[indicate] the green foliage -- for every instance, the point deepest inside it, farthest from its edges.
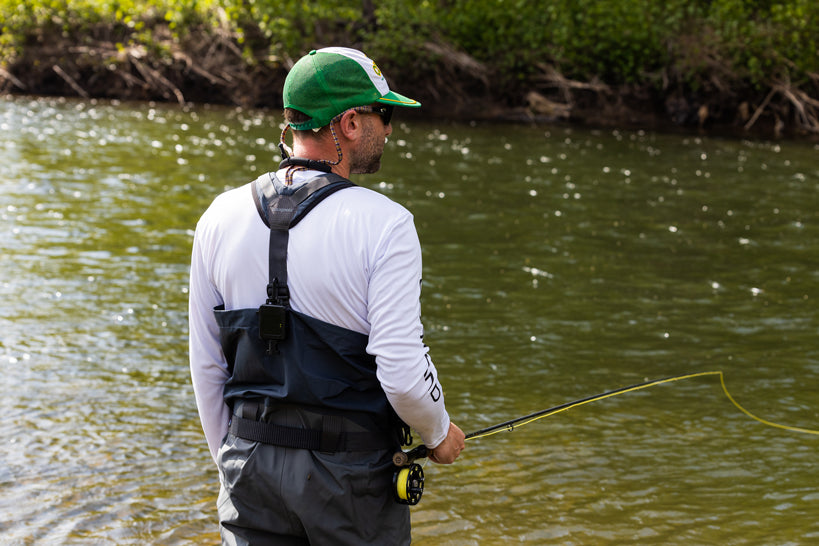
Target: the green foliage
(796, 36)
(26, 20)
(764, 41)
(754, 42)
(290, 28)
(515, 34)
(617, 40)
(397, 35)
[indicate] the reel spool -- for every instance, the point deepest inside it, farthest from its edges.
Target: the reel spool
(408, 484)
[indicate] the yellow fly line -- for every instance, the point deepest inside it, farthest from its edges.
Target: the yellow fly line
(515, 423)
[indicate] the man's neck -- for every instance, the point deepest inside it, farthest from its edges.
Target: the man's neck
(324, 156)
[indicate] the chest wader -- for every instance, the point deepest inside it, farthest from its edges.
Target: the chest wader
(278, 357)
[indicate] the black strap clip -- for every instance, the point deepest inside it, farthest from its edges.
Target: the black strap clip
(273, 316)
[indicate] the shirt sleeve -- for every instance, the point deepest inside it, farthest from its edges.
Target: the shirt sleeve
(207, 361)
(404, 368)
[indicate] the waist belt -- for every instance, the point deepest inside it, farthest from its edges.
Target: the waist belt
(331, 438)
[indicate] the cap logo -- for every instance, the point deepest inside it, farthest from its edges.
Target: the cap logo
(376, 70)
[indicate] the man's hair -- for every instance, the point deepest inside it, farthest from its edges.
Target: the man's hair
(291, 115)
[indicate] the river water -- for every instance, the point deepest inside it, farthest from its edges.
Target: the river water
(559, 263)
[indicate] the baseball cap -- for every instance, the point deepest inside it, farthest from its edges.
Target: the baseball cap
(328, 81)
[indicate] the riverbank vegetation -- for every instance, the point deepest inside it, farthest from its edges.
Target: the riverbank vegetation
(729, 63)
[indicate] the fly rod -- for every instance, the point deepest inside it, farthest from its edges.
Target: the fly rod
(403, 458)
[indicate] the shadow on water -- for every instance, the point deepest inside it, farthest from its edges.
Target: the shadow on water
(559, 263)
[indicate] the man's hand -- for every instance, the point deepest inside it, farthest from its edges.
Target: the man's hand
(448, 450)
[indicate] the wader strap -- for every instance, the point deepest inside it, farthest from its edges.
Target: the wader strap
(267, 188)
(281, 207)
(330, 439)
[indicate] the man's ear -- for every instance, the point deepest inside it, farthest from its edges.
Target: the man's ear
(351, 125)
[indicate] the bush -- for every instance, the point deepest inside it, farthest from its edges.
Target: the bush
(497, 47)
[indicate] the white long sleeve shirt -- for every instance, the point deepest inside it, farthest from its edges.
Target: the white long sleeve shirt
(353, 261)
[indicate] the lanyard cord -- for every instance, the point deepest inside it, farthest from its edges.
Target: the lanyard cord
(285, 151)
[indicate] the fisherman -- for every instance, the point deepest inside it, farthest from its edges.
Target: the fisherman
(306, 344)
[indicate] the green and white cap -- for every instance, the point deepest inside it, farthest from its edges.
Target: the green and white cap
(326, 82)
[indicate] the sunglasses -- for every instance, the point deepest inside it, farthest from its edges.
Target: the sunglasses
(383, 111)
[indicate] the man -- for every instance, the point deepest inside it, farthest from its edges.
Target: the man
(306, 345)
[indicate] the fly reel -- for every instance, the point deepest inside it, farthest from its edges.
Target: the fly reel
(408, 484)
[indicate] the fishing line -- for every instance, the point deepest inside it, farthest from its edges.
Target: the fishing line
(421, 451)
(408, 481)
(526, 419)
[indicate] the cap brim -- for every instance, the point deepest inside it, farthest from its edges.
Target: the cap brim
(397, 99)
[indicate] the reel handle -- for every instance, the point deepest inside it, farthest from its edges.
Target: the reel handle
(403, 458)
